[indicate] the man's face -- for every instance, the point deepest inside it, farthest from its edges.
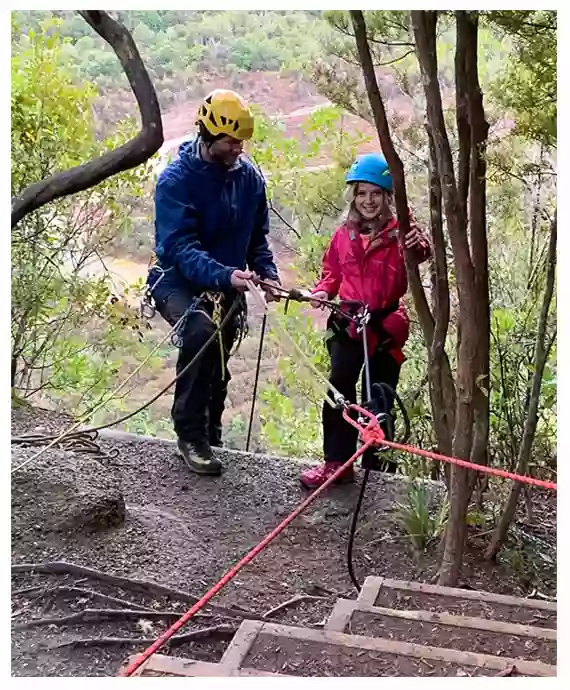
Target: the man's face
(226, 150)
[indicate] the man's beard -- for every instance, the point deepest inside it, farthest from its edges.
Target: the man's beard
(224, 161)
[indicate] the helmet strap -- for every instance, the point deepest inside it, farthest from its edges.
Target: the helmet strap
(207, 137)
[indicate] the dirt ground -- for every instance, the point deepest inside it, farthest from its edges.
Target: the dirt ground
(184, 532)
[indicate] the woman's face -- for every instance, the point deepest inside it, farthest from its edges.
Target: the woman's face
(369, 200)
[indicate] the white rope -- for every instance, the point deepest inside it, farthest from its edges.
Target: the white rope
(258, 296)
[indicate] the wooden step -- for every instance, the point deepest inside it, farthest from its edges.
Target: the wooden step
(394, 628)
(308, 652)
(401, 594)
(462, 633)
(173, 666)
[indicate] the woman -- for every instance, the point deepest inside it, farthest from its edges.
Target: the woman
(364, 261)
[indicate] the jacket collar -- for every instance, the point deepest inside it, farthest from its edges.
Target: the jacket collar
(387, 235)
(191, 155)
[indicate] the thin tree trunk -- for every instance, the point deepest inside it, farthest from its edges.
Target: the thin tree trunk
(478, 127)
(442, 387)
(541, 355)
(424, 26)
(463, 127)
(534, 219)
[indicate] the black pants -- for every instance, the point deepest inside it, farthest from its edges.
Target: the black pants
(200, 394)
(347, 361)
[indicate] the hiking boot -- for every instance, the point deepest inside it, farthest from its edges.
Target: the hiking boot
(317, 476)
(199, 457)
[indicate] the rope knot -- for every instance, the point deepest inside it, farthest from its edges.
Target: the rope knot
(372, 433)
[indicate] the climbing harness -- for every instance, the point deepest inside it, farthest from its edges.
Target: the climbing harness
(215, 299)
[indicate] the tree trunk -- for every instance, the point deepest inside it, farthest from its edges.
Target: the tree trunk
(442, 387)
(470, 321)
(541, 355)
(463, 128)
(467, 23)
(534, 220)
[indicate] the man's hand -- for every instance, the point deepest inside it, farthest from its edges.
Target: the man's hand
(270, 294)
(414, 238)
(320, 295)
(239, 279)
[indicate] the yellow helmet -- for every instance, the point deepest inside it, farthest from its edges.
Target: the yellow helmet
(224, 112)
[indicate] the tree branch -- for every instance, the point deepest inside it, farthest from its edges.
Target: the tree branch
(61, 567)
(128, 156)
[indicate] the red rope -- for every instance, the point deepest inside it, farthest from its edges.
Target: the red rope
(373, 434)
(155, 646)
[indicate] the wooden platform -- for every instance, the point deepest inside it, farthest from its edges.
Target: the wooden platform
(393, 628)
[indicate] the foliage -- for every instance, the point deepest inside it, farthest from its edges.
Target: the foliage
(66, 328)
(421, 521)
(516, 62)
(184, 44)
(527, 87)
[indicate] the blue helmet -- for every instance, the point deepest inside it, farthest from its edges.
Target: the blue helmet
(373, 168)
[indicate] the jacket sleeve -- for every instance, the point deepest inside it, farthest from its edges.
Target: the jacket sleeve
(330, 279)
(259, 256)
(177, 237)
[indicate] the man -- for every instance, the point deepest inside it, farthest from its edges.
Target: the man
(211, 225)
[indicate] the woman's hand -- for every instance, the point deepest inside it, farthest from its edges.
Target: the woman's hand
(320, 295)
(271, 288)
(414, 238)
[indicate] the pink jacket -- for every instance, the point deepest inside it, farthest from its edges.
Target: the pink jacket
(375, 275)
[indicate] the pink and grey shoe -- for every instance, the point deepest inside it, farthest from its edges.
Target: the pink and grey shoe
(317, 476)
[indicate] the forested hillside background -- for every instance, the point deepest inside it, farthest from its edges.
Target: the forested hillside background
(71, 340)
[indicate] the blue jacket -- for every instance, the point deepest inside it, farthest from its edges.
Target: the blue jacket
(210, 221)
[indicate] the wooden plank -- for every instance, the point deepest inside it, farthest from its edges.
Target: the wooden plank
(376, 583)
(341, 614)
(380, 644)
(369, 591)
(177, 666)
(460, 622)
(240, 645)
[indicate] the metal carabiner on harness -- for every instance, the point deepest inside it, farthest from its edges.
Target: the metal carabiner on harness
(148, 305)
